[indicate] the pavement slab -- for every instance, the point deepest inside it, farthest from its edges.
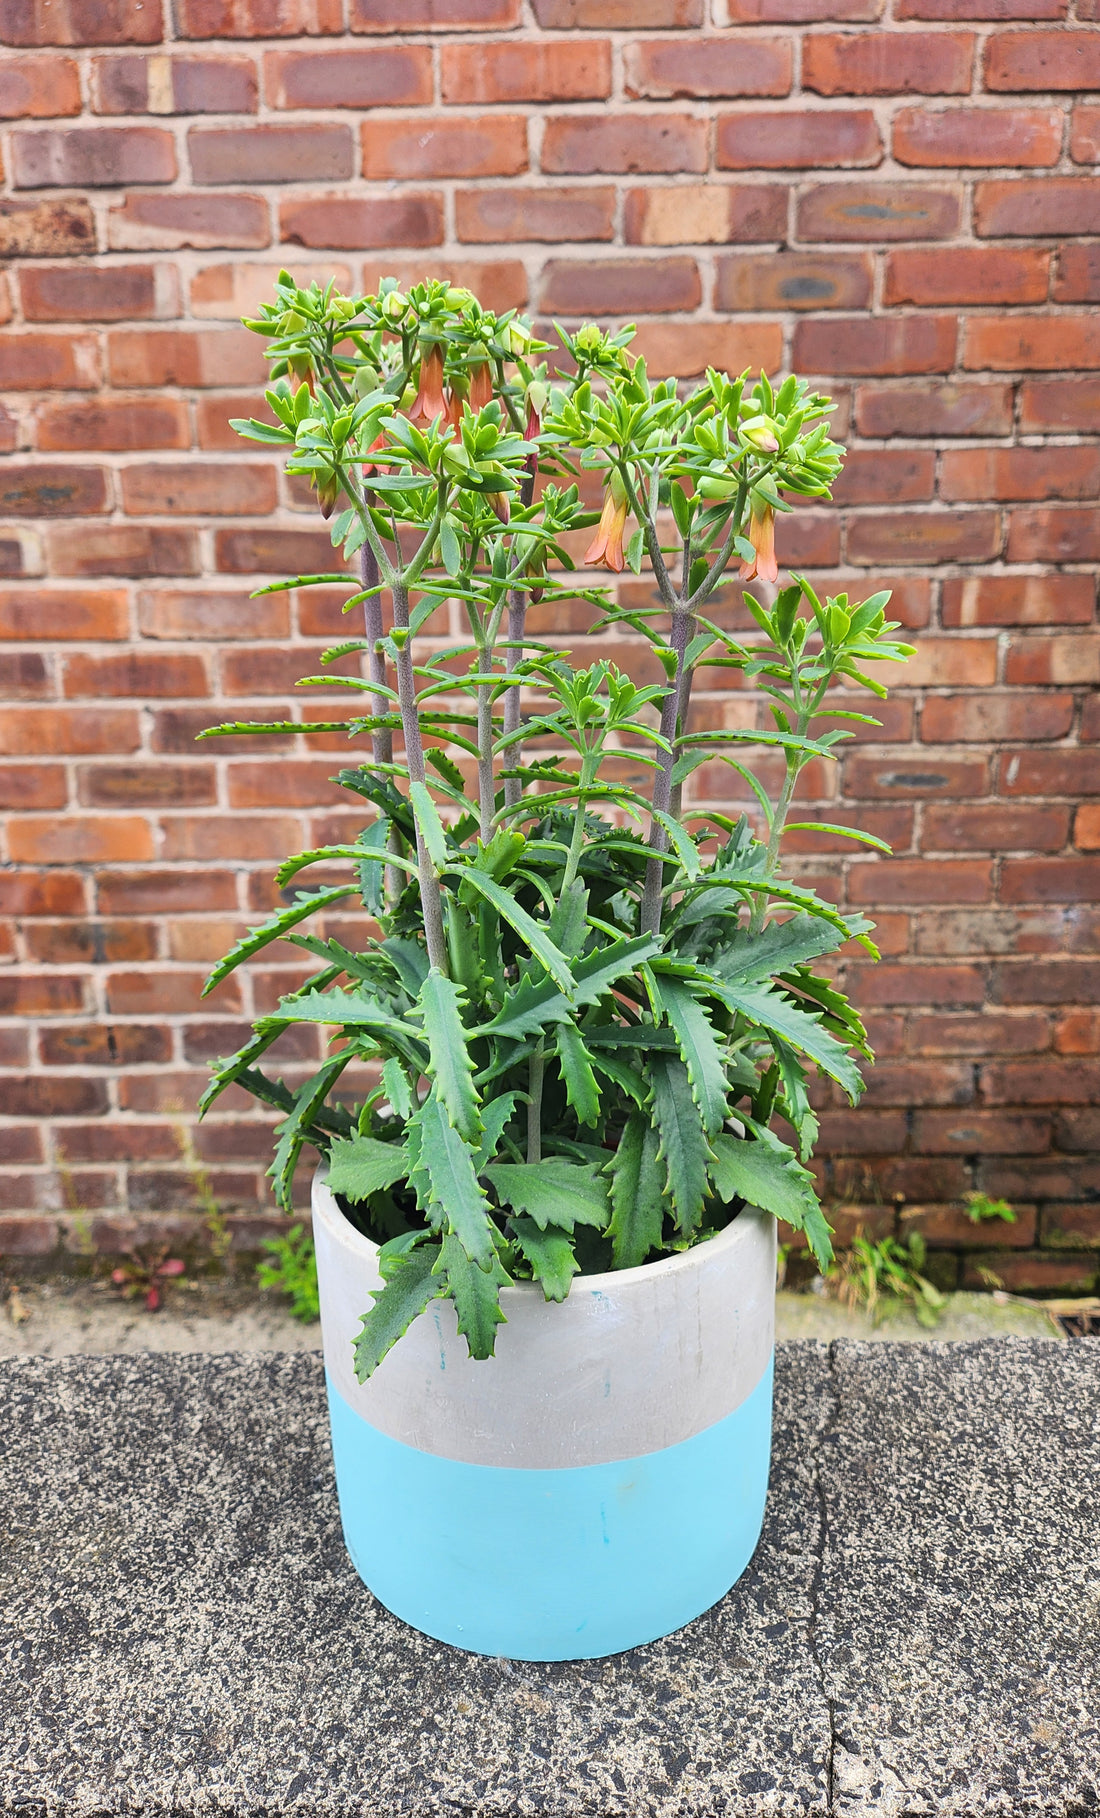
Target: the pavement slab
(917, 1634)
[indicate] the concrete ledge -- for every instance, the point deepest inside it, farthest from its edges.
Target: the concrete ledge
(919, 1633)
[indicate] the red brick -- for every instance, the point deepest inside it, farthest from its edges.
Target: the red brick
(1086, 828)
(42, 614)
(26, 1236)
(622, 15)
(910, 1083)
(1077, 274)
(30, 893)
(34, 786)
(1043, 1082)
(889, 777)
(980, 9)
(1041, 343)
(1031, 1272)
(168, 356)
(257, 18)
(47, 229)
(1071, 1227)
(686, 349)
(948, 409)
(981, 718)
(912, 881)
(966, 274)
(554, 70)
(994, 828)
(1037, 205)
(30, 731)
(179, 613)
(109, 293)
(90, 942)
(987, 1033)
(40, 88)
(386, 76)
(346, 222)
(949, 1228)
(176, 729)
(887, 63)
(92, 157)
(575, 287)
(276, 552)
(924, 537)
(271, 154)
(883, 476)
(105, 1045)
(46, 1095)
(47, 490)
(135, 673)
(240, 289)
(858, 344)
(794, 12)
(444, 145)
(789, 140)
(24, 676)
(87, 840)
(923, 986)
(1050, 534)
(794, 280)
(174, 85)
(123, 549)
(1020, 473)
(500, 284)
(605, 144)
(81, 22)
(41, 995)
(1084, 140)
(878, 211)
(978, 136)
(1040, 61)
(435, 15)
(1068, 880)
(161, 993)
(662, 69)
(153, 222)
(1062, 662)
(178, 489)
(980, 1133)
(157, 785)
(698, 214)
(205, 837)
(114, 423)
(487, 215)
(1029, 599)
(41, 362)
(164, 892)
(297, 783)
(1049, 773)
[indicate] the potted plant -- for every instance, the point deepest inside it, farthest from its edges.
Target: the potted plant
(566, 1097)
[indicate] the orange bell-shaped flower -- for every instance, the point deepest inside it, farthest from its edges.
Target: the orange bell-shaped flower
(762, 537)
(606, 547)
(481, 386)
(430, 402)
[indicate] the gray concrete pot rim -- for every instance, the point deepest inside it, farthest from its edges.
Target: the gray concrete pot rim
(608, 1279)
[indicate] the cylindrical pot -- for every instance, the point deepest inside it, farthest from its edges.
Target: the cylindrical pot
(596, 1484)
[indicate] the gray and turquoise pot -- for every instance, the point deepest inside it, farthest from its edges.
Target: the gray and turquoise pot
(597, 1484)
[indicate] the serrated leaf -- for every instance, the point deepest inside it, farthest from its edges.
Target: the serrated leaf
(495, 1116)
(747, 958)
(528, 1008)
(683, 1141)
(581, 1089)
(627, 1078)
(227, 1072)
(770, 1010)
(361, 1165)
(637, 1194)
(431, 827)
(395, 1084)
(409, 1289)
(550, 1254)
(293, 1134)
(475, 1293)
(701, 1049)
(449, 1065)
(274, 928)
(534, 936)
(552, 1191)
(449, 1164)
(769, 1175)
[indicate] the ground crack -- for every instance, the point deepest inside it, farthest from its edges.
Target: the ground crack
(822, 1437)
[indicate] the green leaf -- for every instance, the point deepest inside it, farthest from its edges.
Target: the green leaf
(293, 1134)
(455, 1193)
(528, 1008)
(682, 843)
(599, 970)
(449, 1067)
(495, 1116)
(409, 960)
(408, 1290)
(450, 548)
(550, 1254)
(751, 958)
(273, 929)
(635, 549)
(637, 1194)
(395, 1084)
(552, 1191)
(581, 1090)
(769, 1009)
(684, 1147)
(361, 1165)
(227, 1072)
(627, 1078)
(849, 833)
(431, 827)
(476, 1295)
(701, 1049)
(534, 937)
(769, 1175)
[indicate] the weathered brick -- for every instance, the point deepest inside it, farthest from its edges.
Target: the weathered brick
(81, 22)
(141, 357)
(1049, 773)
(624, 15)
(686, 349)
(42, 88)
(1077, 274)
(39, 362)
(48, 490)
(158, 785)
(26, 787)
(46, 229)
(605, 144)
(918, 881)
(1032, 206)
(108, 293)
(994, 828)
(878, 211)
(946, 409)
(92, 157)
(113, 423)
(794, 280)
(48, 1095)
(790, 139)
(996, 10)
(981, 718)
(277, 552)
(444, 145)
(1036, 343)
(1030, 599)
(1042, 60)
(139, 84)
(881, 476)
(1031, 1272)
(233, 291)
(887, 63)
(257, 18)
(699, 214)
(881, 344)
(663, 69)
(346, 222)
(382, 76)
(552, 214)
(271, 154)
(1050, 880)
(1045, 533)
(575, 287)
(1086, 827)
(500, 283)
(29, 731)
(1062, 661)
(182, 488)
(553, 70)
(794, 12)
(924, 537)
(135, 673)
(1084, 138)
(966, 274)
(1016, 1032)
(978, 136)
(434, 15)
(123, 549)
(1020, 473)
(146, 892)
(52, 613)
(154, 222)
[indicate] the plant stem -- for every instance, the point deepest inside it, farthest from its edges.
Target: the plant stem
(682, 622)
(381, 740)
(534, 1104)
(430, 893)
(517, 621)
(486, 782)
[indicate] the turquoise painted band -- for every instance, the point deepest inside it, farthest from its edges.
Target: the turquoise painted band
(563, 1564)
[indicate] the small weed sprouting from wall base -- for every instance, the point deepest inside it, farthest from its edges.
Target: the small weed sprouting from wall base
(293, 1272)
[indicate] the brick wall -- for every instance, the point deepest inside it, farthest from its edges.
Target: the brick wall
(901, 206)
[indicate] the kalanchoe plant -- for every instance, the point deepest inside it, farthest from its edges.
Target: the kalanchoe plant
(592, 1010)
